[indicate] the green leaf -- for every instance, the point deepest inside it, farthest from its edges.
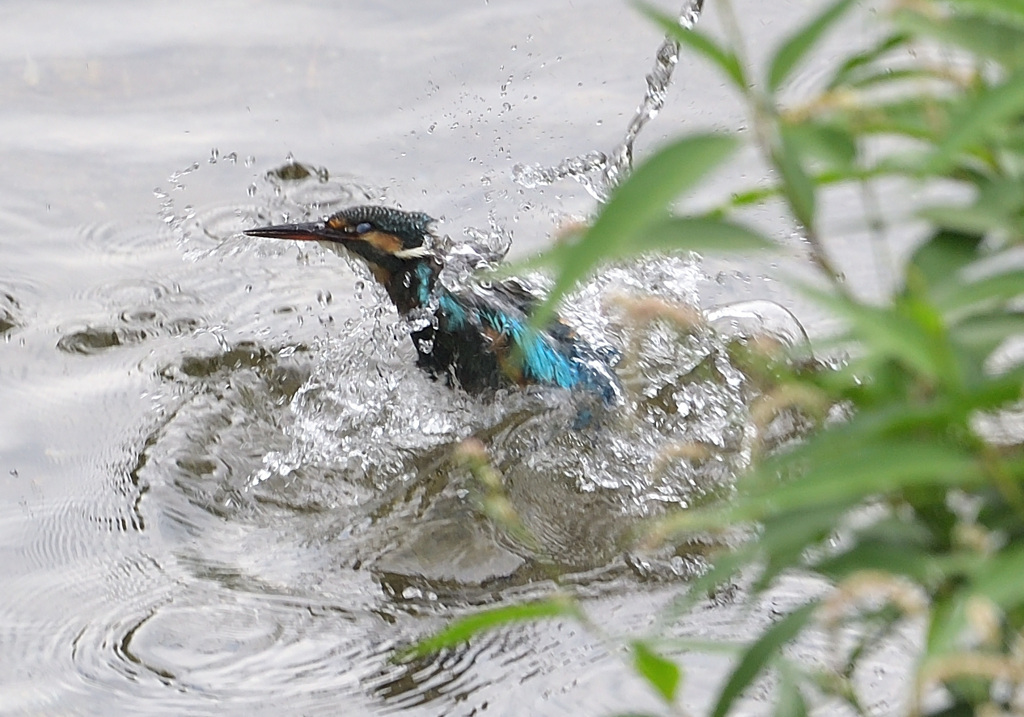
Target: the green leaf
(662, 674)
(789, 701)
(726, 565)
(839, 467)
(760, 654)
(937, 262)
(983, 333)
(986, 37)
(467, 627)
(796, 185)
(795, 48)
(700, 234)
(959, 297)
(633, 207)
(790, 532)
(947, 620)
(918, 117)
(876, 76)
(724, 59)
(886, 333)
(997, 207)
(1001, 578)
(830, 144)
(860, 471)
(892, 556)
(1009, 10)
(852, 70)
(787, 535)
(978, 119)
(971, 219)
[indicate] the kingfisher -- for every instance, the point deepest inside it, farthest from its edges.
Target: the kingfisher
(478, 337)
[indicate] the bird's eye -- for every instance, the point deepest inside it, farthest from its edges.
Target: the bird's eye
(363, 227)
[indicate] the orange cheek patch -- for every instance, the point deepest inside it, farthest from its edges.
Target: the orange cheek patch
(385, 242)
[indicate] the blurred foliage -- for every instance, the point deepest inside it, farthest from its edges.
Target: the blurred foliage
(909, 508)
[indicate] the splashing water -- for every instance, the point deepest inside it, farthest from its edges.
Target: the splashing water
(598, 172)
(368, 430)
(369, 418)
(365, 430)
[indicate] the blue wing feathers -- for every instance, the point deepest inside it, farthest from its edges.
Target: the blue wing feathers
(554, 358)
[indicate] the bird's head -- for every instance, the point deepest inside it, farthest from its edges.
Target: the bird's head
(392, 242)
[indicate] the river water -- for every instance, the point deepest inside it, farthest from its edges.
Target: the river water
(223, 485)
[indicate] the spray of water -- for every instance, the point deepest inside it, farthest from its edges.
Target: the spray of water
(601, 172)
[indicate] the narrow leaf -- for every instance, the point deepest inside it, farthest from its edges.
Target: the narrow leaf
(662, 674)
(797, 186)
(467, 627)
(836, 472)
(725, 568)
(890, 556)
(969, 219)
(831, 145)
(977, 119)
(1001, 578)
(789, 702)
(937, 262)
(886, 332)
(947, 621)
(983, 333)
(850, 71)
(989, 290)
(700, 234)
(634, 205)
(862, 471)
(760, 654)
(798, 45)
(986, 37)
(1012, 10)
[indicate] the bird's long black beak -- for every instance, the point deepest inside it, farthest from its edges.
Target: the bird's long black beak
(307, 231)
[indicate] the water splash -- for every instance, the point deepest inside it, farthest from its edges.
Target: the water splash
(601, 172)
(369, 416)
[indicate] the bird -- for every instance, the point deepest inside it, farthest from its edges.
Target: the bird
(478, 337)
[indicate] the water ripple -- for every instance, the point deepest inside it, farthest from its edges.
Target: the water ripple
(154, 310)
(225, 648)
